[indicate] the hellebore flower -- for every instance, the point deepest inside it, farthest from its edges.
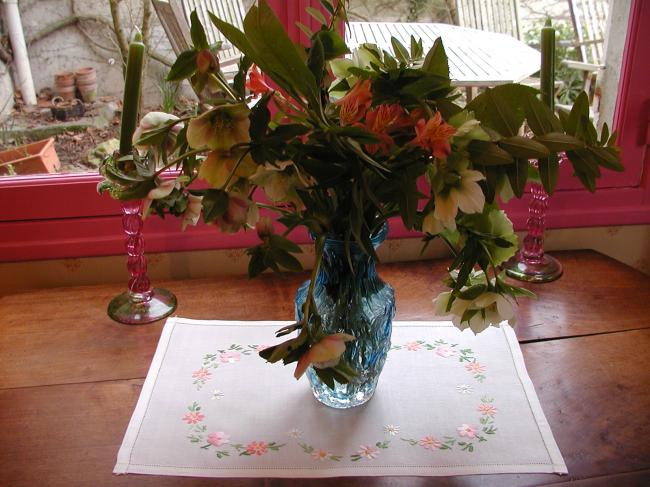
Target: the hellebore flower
(240, 212)
(192, 212)
(216, 168)
(433, 135)
(155, 120)
(162, 190)
(264, 227)
(355, 103)
(465, 195)
(220, 128)
(323, 354)
(488, 309)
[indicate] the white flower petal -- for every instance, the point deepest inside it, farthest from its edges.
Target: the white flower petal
(470, 197)
(446, 209)
(440, 303)
(505, 308)
(484, 300)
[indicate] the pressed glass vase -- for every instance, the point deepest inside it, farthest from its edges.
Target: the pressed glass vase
(531, 263)
(355, 301)
(141, 303)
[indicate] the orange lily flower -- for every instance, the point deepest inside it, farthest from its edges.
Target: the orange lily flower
(383, 120)
(433, 135)
(355, 103)
(256, 83)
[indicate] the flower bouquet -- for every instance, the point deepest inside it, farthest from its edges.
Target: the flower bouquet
(340, 145)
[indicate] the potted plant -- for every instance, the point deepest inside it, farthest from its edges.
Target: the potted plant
(340, 146)
(35, 158)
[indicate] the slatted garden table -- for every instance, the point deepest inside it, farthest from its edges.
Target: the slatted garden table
(476, 58)
(70, 377)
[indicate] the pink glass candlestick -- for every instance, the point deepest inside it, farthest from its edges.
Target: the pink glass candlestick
(531, 264)
(140, 303)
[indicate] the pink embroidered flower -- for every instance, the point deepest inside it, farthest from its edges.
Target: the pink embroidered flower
(467, 430)
(193, 417)
(202, 374)
(445, 351)
(369, 452)
(487, 409)
(320, 455)
(413, 346)
(256, 448)
(475, 367)
(430, 443)
(229, 357)
(218, 439)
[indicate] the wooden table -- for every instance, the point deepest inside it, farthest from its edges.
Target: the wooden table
(70, 377)
(477, 58)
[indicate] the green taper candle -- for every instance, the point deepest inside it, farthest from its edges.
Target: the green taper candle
(547, 73)
(131, 103)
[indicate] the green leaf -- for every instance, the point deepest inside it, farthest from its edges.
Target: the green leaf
(286, 260)
(215, 204)
(488, 154)
(518, 175)
(184, 66)
(540, 117)
(316, 60)
(306, 30)
(607, 157)
(473, 292)
(558, 141)
(333, 45)
(284, 243)
(502, 108)
(239, 81)
(327, 6)
(580, 109)
(267, 34)
(436, 61)
(197, 32)
(522, 147)
(400, 51)
(259, 117)
(548, 171)
(317, 14)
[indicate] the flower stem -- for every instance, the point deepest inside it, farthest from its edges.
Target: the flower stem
(178, 159)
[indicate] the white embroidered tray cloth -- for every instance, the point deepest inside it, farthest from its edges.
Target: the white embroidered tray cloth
(447, 403)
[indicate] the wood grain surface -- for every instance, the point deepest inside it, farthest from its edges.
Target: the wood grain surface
(70, 377)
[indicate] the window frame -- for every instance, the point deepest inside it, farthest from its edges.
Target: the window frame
(61, 216)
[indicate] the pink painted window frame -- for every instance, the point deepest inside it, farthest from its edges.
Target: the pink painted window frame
(60, 216)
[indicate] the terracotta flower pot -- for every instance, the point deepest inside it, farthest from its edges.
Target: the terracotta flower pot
(64, 85)
(36, 158)
(87, 83)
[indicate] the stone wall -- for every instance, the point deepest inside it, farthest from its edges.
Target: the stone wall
(87, 44)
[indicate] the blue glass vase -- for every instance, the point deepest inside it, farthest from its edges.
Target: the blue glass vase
(358, 303)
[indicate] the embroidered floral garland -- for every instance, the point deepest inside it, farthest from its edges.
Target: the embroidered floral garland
(230, 355)
(465, 431)
(220, 441)
(448, 350)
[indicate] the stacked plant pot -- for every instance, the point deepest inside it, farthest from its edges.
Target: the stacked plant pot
(87, 83)
(64, 85)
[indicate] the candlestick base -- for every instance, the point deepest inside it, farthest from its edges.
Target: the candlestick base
(546, 269)
(137, 309)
